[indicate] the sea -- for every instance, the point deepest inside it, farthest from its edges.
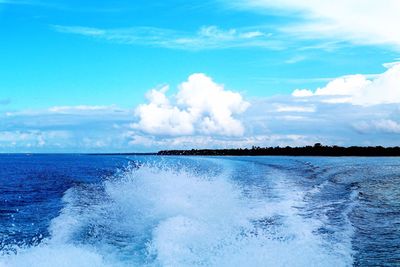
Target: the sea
(118, 210)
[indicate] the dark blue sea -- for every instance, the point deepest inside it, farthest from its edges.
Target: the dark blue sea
(97, 210)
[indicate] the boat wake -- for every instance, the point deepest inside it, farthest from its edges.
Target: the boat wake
(177, 215)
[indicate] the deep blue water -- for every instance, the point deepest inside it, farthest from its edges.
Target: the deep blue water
(86, 210)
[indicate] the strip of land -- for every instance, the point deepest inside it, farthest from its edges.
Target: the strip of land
(316, 150)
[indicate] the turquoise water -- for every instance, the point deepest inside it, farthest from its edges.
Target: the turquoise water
(80, 210)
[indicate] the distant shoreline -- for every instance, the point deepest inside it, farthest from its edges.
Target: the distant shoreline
(316, 150)
(123, 154)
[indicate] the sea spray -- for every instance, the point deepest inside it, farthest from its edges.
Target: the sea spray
(180, 215)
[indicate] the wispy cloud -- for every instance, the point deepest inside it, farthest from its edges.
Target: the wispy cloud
(65, 129)
(295, 59)
(382, 125)
(207, 37)
(80, 110)
(359, 22)
(30, 138)
(87, 31)
(189, 142)
(84, 108)
(290, 108)
(289, 80)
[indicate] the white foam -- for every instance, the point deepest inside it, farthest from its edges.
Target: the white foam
(51, 256)
(158, 216)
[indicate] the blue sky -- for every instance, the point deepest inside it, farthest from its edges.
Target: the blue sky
(74, 76)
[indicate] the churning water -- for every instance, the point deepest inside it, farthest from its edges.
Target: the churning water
(77, 210)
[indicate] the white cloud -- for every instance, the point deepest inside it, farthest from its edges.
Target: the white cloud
(389, 126)
(72, 110)
(30, 138)
(348, 85)
(80, 30)
(159, 116)
(204, 114)
(178, 121)
(215, 33)
(189, 142)
(360, 22)
(288, 108)
(293, 118)
(80, 108)
(295, 59)
(207, 37)
(200, 107)
(381, 125)
(360, 89)
(302, 93)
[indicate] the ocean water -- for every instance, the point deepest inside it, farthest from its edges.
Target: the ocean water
(86, 210)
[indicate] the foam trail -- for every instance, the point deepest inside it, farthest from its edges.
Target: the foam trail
(178, 216)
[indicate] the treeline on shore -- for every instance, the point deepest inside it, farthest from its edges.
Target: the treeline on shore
(316, 150)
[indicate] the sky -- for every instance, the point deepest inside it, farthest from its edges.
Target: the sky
(140, 76)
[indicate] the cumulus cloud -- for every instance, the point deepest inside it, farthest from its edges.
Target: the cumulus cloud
(360, 89)
(200, 106)
(350, 110)
(338, 113)
(302, 93)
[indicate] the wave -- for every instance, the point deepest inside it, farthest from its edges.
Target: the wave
(175, 215)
